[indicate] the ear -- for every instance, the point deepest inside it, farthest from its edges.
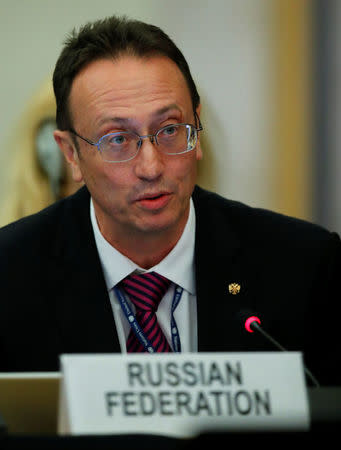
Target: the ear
(70, 153)
(198, 148)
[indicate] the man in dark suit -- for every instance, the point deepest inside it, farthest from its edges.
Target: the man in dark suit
(128, 124)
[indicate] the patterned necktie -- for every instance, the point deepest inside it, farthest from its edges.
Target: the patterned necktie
(146, 291)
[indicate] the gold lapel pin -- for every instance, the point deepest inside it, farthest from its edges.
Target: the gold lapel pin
(234, 288)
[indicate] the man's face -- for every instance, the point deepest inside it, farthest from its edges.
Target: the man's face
(151, 192)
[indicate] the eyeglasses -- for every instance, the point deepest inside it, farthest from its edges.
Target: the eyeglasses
(123, 146)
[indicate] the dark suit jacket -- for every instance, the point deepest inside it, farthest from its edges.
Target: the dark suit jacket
(53, 297)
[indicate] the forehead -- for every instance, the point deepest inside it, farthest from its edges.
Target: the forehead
(128, 87)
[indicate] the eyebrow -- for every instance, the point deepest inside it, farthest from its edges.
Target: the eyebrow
(165, 109)
(157, 113)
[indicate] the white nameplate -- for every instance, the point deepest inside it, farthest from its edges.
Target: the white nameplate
(183, 394)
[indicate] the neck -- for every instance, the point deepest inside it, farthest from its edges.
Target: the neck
(145, 252)
(145, 249)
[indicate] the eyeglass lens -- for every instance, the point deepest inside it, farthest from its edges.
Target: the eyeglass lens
(172, 139)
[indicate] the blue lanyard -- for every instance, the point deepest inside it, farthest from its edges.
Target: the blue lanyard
(138, 330)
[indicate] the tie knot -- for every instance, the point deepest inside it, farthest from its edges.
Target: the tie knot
(146, 290)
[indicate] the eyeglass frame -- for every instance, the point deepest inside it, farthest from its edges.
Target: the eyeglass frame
(152, 137)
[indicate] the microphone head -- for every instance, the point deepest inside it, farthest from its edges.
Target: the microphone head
(248, 317)
(249, 321)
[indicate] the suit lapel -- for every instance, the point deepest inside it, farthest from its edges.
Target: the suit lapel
(86, 320)
(221, 262)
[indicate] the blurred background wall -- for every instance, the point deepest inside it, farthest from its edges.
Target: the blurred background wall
(267, 72)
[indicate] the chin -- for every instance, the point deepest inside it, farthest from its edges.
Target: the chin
(158, 225)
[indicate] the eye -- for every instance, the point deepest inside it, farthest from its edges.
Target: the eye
(169, 131)
(117, 139)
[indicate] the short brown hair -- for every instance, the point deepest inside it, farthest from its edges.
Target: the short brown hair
(111, 37)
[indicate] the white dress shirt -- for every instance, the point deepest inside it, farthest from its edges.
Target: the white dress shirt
(177, 266)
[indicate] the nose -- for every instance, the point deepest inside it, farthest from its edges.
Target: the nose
(149, 163)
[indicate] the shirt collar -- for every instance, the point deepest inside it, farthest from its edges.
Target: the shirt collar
(177, 266)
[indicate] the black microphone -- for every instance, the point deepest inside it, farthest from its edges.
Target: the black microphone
(253, 323)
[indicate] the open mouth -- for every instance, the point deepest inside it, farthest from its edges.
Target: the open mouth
(155, 201)
(155, 197)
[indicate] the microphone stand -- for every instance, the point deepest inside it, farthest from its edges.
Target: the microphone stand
(255, 326)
